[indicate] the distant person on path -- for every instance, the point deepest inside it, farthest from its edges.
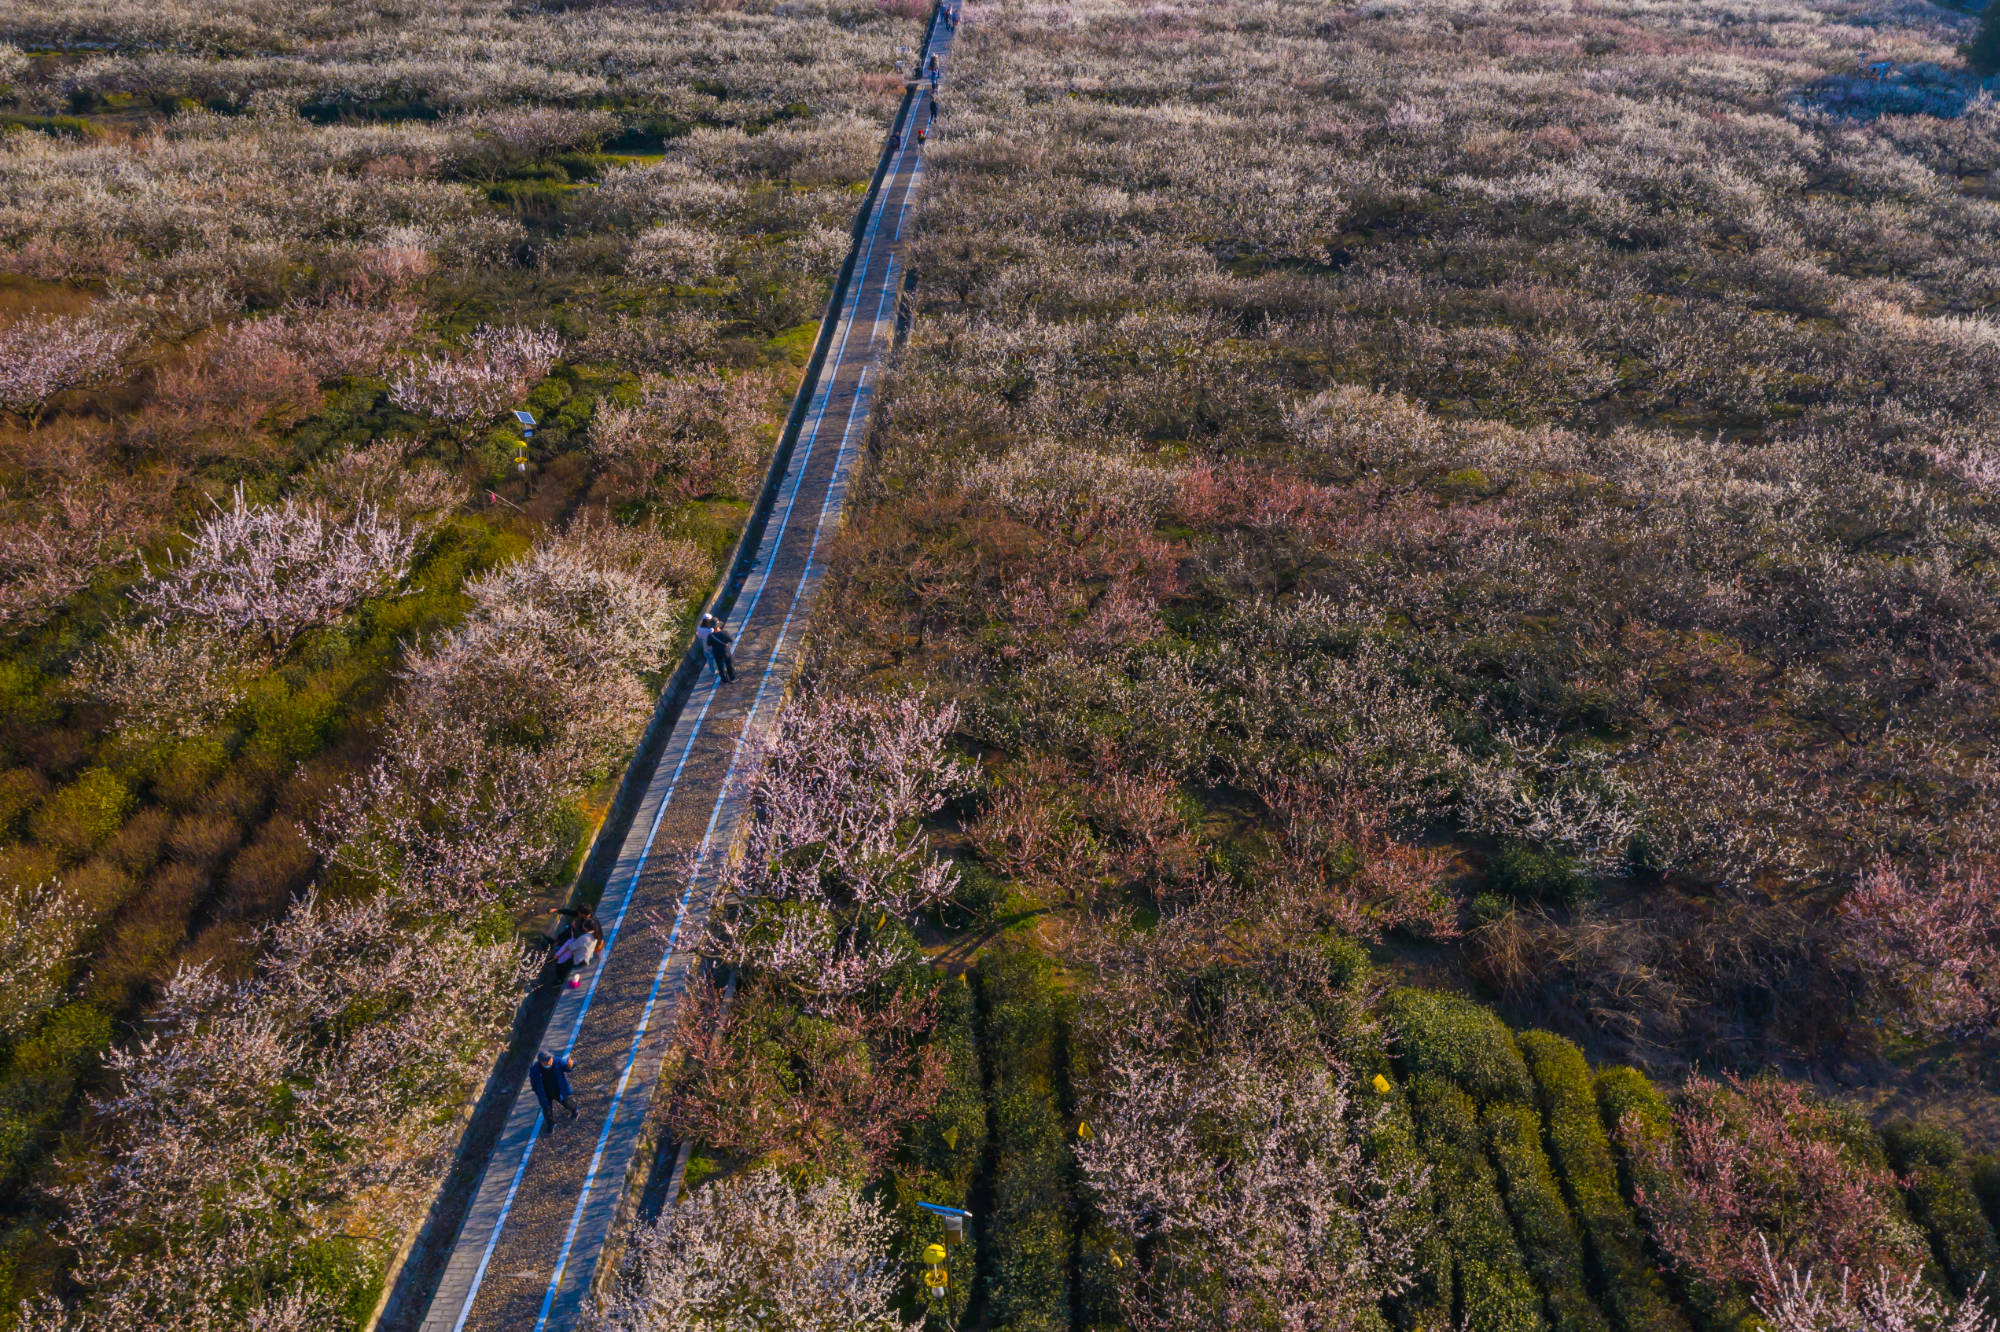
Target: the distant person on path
(895, 141)
(721, 650)
(714, 641)
(550, 1079)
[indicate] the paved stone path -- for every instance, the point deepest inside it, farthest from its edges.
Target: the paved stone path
(527, 1252)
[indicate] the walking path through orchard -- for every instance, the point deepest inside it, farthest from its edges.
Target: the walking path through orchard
(527, 1252)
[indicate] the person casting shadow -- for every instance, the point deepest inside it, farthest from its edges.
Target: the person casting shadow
(549, 1078)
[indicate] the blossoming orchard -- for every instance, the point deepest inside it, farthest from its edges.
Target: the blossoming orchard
(1285, 665)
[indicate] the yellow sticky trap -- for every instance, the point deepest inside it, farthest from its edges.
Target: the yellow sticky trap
(936, 1279)
(1083, 1130)
(951, 1137)
(1381, 1084)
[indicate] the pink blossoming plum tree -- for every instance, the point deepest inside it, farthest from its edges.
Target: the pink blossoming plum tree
(43, 358)
(470, 387)
(822, 1262)
(268, 572)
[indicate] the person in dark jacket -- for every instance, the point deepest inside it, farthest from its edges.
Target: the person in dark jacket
(583, 920)
(722, 650)
(550, 1080)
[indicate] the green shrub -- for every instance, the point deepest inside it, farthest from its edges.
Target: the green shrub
(1907, 1146)
(1493, 1290)
(1939, 1183)
(21, 789)
(1633, 1290)
(1456, 1039)
(1623, 1091)
(1548, 1235)
(62, 127)
(17, 1143)
(267, 872)
(342, 1273)
(1856, 1137)
(1348, 964)
(68, 1038)
(187, 769)
(39, 1082)
(98, 887)
(1032, 1231)
(25, 697)
(1983, 53)
(978, 897)
(1985, 1172)
(1525, 874)
(292, 724)
(80, 817)
(531, 200)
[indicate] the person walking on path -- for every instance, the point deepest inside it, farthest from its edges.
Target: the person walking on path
(550, 1080)
(721, 647)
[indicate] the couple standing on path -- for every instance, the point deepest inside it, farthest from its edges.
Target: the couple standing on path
(719, 644)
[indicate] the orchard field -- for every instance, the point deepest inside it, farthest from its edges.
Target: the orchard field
(1402, 734)
(1460, 539)
(308, 694)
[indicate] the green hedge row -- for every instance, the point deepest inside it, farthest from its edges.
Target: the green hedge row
(1455, 1039)
(1031, 1236)
(1493, 1290)
(1392, 1147)
(1633, 1290)
(941, 1154)
(1943, 1200)
(1623, 1092)
(1986, 1182)
(1548, 1235)
(1098, 1282)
